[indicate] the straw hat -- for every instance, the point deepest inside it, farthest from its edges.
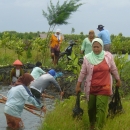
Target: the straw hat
(17, 62)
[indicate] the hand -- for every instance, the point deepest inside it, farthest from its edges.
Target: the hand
(28, 109)
(44, 109)
(61, 94)
(118, 83)
(78, 87)
(43, 95)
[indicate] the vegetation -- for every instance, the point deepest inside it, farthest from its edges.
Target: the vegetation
(15, 45)
(61, 118)
(120, 44)
(59, 14)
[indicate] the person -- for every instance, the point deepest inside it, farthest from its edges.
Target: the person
(105, 36)
(55, 43)
(16, 98)
(16, 72)
(97, 69)
(86, 46)
(39, 85)
(37, 71)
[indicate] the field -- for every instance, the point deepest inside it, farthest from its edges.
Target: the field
(30, 48)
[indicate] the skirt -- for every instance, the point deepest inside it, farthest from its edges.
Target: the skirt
(14, 123)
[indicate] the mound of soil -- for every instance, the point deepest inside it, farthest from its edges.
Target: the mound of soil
(66, 85)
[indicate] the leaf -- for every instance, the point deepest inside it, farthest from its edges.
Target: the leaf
(72, 55)
(76, 61)
(126, 56)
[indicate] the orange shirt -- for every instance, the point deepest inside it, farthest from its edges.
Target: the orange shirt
(54, 41)
(101, 79)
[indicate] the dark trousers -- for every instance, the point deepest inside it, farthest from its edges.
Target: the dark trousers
(36, 93)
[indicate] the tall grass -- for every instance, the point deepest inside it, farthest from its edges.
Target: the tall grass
(61, 118)
(11, 56)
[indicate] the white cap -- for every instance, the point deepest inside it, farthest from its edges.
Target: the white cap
(58, 30)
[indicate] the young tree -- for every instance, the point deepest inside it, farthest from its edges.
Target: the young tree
(59, 14)
(5, 41)
(72, 30)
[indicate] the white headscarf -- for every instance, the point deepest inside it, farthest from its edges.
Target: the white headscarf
(58, 30)
(58, 36)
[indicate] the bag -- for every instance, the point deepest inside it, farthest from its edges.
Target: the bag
(115, 106)
(77, 111)
(29, 92)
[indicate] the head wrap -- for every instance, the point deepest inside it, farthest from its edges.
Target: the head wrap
(93, 58)
(25, 79)
(58, 30)
(52, 72)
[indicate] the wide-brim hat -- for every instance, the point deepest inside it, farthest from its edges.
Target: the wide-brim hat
(100, 27)
(17, 62)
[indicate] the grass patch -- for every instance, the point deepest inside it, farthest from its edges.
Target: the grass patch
(61, 118)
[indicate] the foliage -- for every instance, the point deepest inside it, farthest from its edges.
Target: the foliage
(72, 30)
(120, 44)
(25, 35)
(59, 14)
(18, 47)
(121, 61)
(73, 65)
(123, 66)
(61, 117)
(5, 41)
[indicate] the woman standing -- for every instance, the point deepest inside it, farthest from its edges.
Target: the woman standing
(98, 67)
(86, 46)
(55, 42)
(16, 98)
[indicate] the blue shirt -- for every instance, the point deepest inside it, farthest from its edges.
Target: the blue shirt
(16, 98)
(37, 72)
(105, 36)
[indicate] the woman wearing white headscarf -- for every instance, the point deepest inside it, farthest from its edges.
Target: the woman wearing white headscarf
(98, 67)
(55, 42)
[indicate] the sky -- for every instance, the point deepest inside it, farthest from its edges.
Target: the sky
(26, 16)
